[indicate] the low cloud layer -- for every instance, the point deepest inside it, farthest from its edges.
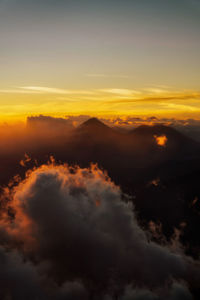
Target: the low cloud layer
(190, 127)
(48, 127)
(66, 233)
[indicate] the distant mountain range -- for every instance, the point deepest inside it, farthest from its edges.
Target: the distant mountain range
(163, 179)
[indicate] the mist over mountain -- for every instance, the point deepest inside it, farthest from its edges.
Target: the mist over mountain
(156, 170)
(99, 150)
(189, 127)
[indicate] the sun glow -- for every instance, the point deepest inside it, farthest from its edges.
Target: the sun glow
(18, 103)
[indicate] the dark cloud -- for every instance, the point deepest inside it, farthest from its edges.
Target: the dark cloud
(72, 226)
(46, 123)
(21, 279)
(178, 291)
(18, 279)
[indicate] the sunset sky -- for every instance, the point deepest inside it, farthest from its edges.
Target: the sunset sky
(103, 58)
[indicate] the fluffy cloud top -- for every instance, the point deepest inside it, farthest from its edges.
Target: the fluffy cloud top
(77, 237)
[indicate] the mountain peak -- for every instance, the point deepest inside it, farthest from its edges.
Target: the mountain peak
(158, 129)
(94, 122)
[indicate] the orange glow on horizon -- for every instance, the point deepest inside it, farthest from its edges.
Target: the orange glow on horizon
(19, 103)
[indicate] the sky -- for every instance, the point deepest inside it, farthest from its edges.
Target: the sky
(102, 58)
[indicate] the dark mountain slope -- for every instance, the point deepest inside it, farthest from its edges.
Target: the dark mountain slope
(164, 180)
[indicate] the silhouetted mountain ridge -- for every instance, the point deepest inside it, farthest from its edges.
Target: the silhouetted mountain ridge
(164, 180)
(93, 127)
(140, 141)
(93, 122)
